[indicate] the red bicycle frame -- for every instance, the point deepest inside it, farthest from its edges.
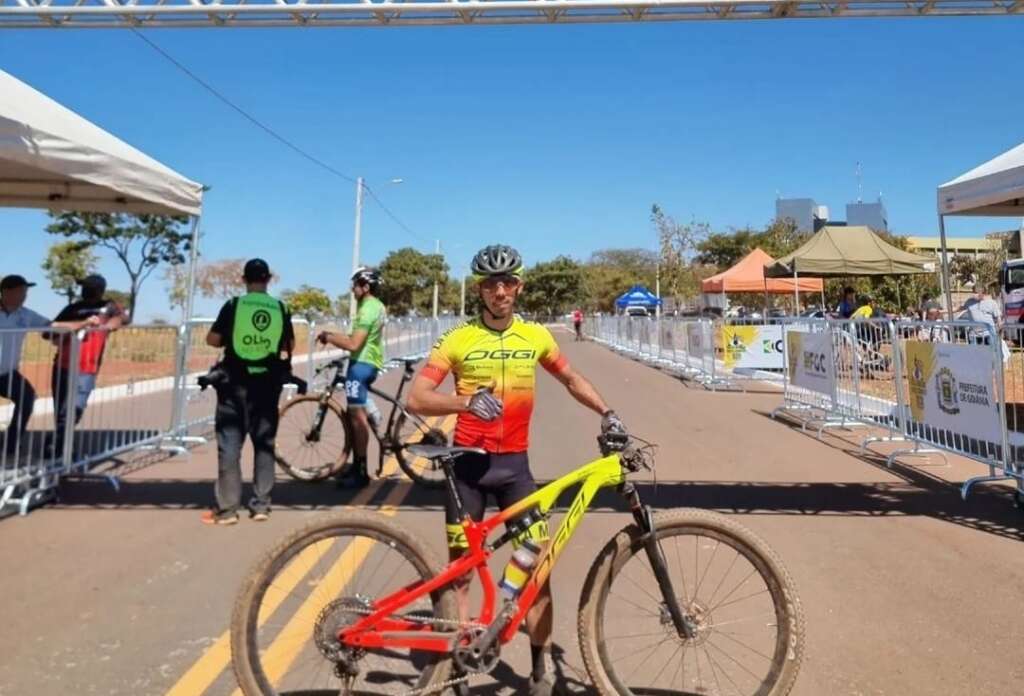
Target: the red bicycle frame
(382, 630)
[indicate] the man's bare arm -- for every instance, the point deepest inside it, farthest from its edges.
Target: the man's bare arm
(425, 400)
(582, 390)
(350, 343)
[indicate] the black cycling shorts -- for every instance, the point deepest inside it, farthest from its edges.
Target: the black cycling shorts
(505, 477)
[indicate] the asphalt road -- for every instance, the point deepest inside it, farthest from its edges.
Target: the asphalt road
(907, 589)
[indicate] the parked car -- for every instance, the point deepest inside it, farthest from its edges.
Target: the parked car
(637, 311)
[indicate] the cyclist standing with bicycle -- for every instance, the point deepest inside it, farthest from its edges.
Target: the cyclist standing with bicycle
(366, 346)
(494, 359)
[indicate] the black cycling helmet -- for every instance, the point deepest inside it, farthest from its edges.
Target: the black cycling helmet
(368, 276)
(495, 260)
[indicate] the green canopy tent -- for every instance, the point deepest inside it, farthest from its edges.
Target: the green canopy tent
(838, 252)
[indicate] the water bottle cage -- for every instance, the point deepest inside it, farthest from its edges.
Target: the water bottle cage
(514, 529)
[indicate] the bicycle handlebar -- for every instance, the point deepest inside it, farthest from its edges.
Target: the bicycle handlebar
(632, 457)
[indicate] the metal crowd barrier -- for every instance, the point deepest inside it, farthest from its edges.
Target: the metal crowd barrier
(684, 346)
(940, 387)
(931, 387)
(144, 394)
(32, 437)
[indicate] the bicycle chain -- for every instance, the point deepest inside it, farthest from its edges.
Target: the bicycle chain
(435, 688)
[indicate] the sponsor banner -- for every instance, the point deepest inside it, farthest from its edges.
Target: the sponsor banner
(952, 388)
(753, 346)
(695, 341)
(811, 364)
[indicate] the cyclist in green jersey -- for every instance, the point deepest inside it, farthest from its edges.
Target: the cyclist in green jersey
(366, 346)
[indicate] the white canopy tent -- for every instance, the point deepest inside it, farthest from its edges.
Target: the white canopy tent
(52, 158)
(996, 188)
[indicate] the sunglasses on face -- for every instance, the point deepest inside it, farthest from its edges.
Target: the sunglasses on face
(493, 283)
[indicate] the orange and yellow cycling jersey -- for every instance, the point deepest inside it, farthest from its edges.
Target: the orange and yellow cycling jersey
(507, 360)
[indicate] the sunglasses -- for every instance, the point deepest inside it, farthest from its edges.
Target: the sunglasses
(491, 284)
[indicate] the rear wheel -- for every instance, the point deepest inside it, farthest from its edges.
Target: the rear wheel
(410, 431)
(320, 579)
(750, 625)
(308, 454)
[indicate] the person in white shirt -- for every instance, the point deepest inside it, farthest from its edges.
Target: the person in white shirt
(15, 321)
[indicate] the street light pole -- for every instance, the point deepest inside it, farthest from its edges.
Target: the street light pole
(355, 244)
(462, 305)
(437, 250)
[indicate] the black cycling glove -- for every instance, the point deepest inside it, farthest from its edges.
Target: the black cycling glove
(485, 405)
(611, 423)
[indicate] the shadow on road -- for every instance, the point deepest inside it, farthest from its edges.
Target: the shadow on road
(989, 509)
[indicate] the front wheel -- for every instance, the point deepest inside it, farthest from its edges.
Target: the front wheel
(750, 626)
(312, 438)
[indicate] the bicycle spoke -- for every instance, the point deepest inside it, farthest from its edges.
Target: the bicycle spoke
(638, 586)
(669, 661)
(635, 605)
(723, 603)
(724, 672)
(635, 635)
(744, 645)
(749, 618)
(728, 571)
(753, 571)
(682, 575)
(700, 582)
(740, 664)
(714, 674)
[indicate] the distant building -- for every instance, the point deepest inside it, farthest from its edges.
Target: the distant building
(959, 246)
(804, 213)
(871, 215)
(956, 246)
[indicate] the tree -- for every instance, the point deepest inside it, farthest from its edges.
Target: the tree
(611, 272)
(553, 287)
(140, 242)
(408, 280)
(724, 249)
(66, 263)
(309, 302)
(216, 280)
(677, 244)
(119, 296)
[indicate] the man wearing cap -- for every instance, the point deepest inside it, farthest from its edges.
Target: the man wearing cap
(254, 330)
(15, 321)
(104, 316)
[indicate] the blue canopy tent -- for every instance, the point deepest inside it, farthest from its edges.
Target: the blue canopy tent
(638, 296)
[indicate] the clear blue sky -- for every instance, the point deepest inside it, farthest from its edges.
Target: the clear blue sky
(556, 139)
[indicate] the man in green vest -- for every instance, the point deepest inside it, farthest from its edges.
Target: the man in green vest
(254, 330)
(366, 346)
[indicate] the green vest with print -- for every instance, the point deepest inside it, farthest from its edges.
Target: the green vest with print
(257, 331)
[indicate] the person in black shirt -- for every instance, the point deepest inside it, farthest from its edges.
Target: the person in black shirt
(254, 330)
(102, 316)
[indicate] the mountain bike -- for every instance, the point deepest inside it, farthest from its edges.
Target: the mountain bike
(314, 436)
(681, 601)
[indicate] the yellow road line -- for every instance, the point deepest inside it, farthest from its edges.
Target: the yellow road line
(391, 463)
(446, 428)
(285, 648)
(208, 667)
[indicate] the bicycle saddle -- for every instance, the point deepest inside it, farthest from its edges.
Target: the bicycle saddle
(442, 452)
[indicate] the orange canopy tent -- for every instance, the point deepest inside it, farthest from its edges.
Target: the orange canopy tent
(748, 276)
